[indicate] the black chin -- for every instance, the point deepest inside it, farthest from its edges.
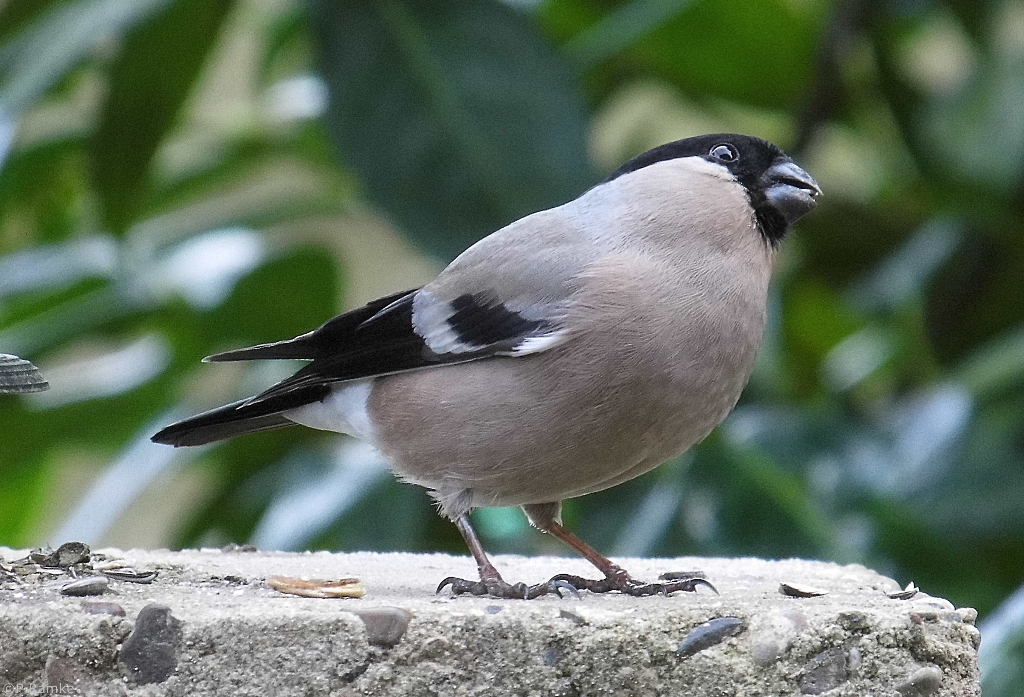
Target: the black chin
(771, 224)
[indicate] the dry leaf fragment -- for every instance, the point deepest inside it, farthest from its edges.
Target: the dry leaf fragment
(318, 587)
(795, 591)
(906, 594)
(130, 575)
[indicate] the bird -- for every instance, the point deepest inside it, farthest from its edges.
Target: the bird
(18, 376)
(569, 351)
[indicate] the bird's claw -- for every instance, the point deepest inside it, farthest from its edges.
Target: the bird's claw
(497, 588)
(687, 581)
(669, 583)
(593, 585)
(558, 585)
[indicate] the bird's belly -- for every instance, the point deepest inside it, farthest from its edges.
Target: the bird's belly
(515, 433)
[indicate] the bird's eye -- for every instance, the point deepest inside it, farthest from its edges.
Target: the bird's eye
(724, 153)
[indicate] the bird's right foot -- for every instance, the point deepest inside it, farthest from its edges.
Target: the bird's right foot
(622, 582)
(499, 588)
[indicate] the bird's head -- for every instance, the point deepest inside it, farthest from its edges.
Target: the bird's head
(780, 192)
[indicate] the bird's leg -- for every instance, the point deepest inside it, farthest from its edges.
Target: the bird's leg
(615, 577)
(483, 563)
(491, 583)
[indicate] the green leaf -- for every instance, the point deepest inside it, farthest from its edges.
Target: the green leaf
(996, 367)
(458, 118)
(25, 482)
(246, 477)
(42, 188)
(988, 109)
(284, 298)
(150, 81)
(15, 15)
(395, 516)
(47, 49)
(973, 15)
(621, 29)
(88, 309)
(975, 297)
(1002, 658)
(931, 558)
(758, 53)
(815, 321)
(258, 182)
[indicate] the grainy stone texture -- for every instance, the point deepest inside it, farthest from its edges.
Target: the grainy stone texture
(222, 631)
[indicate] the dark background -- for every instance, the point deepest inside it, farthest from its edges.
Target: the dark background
(179, 177)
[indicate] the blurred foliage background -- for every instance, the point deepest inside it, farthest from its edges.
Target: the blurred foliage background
(179, 177)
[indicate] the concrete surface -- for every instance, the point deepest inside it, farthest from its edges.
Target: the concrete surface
(209, 625)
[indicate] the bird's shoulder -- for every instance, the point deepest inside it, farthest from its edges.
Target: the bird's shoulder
(508, 292)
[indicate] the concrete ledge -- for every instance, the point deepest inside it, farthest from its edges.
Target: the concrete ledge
(210, 625)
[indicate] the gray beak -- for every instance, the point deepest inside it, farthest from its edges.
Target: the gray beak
(791, 190)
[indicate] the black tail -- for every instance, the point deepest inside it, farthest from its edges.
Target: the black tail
(18, 375)
(337, 343)
(237, 419)
(301, 347)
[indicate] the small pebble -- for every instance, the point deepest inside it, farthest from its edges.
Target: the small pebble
(492, 609)
(825, 671)
(150, 653)
(921, 683)
(68, 554)
(385, 626)
(90, 585)
(765, 650)
(712, 632)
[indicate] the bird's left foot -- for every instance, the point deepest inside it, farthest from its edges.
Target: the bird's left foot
(623, 583)
(498, 588)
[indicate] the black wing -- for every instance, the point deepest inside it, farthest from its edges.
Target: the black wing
(333, 333)
(376, 339)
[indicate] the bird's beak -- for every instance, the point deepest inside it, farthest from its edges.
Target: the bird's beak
(791, 190)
